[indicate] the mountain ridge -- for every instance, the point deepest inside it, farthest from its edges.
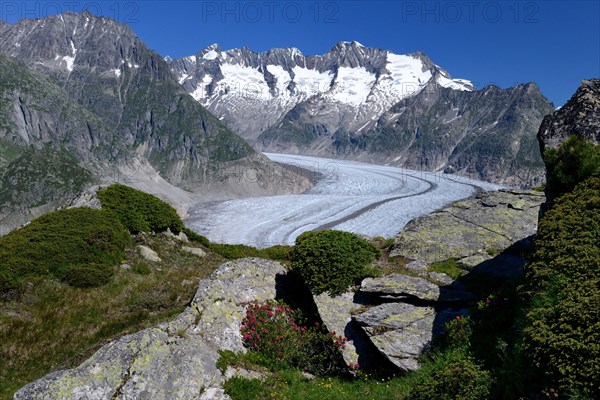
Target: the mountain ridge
(131, 112)
(337, 104)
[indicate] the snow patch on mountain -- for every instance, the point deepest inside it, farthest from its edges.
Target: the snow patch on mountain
(211, 55)
(254, 91)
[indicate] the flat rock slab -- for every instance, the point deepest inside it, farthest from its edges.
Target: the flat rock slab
(493, 220)
(177, 359)
(404, 285)
(401, 285)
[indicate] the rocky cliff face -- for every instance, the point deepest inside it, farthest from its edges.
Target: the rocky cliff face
(89, 85)
(579, 116)
(370, 104)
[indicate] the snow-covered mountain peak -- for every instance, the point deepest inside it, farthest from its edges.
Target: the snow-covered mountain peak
(355, 83)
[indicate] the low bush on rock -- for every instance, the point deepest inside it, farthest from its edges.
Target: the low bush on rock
(331, 261)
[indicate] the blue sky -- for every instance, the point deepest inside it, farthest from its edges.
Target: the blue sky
(553, 43)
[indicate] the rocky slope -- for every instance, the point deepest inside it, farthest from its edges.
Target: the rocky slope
(175, 360)
(90, 86)
(370, 104)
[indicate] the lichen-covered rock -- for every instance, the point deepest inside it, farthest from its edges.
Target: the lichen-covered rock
(194, 250)
(404, 285)
(579, 116)
(402, 332)
(175, 360)
(417, 266)
(336, 314)
(148, 254)
(492, 220)
(401, 285)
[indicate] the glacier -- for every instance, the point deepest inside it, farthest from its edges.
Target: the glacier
(367, 199)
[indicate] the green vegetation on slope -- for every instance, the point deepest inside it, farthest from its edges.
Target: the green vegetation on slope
(51, 319)
(139, 211)
(573, 162)
(55, 326)
(562, 327)
(68, 245)
(37, 177)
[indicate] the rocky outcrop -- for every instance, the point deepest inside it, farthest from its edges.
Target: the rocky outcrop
(400, 285)
(336, 313)
(579, 116)
(175, 360)
(470, 229)
(392, 319)
(402, 332)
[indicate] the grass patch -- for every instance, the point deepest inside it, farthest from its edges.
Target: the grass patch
(449, 267)
(291, 384)
(234, 251)
(56, 326)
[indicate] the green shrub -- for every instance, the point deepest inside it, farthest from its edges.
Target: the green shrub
(139, 211)
(562, 327)
(84, 276)
(459, 331)
(460, 378)
(8, 285)
(331, 261)
(573, 162)
(195, 237)
(55, 243)
(234, 251)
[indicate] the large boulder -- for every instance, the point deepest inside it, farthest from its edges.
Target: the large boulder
(177, 359)
(402, 331)
(489, 221)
